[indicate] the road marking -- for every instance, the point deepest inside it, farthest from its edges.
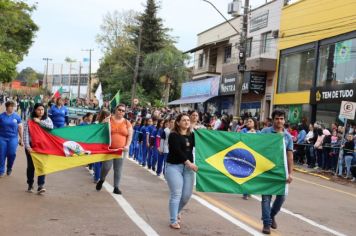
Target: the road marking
(245, 218)
(313, 174)
(226, 215)
(217, 210)
(130, 212)
(309, 221)
(323, 186)
(284, 210)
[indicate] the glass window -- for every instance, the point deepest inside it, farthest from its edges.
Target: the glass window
(201, 60)
(337, 63)
(296, 71)
(266, 40)
(248, 47)
(227, 54)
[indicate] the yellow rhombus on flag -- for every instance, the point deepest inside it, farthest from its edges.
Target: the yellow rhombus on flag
(262, 163)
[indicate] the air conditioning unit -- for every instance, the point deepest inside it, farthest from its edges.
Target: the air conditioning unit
(234, 8)
(275, 34)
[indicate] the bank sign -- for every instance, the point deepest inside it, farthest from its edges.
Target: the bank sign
(335, 94)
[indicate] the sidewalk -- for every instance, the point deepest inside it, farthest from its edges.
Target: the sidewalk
(327, 175)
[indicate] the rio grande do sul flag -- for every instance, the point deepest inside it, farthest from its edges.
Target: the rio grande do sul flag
(68, 147)
(232, 162)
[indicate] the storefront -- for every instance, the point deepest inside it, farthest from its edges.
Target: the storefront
(253, 90)
(316, 77)
(198, 95)
(327, 100)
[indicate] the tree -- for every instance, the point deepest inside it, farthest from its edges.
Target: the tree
(164, 68)
(154, 35)
(17, 32)
(28, 75)
(114, 29)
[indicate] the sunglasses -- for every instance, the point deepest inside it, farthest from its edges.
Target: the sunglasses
(121, 110)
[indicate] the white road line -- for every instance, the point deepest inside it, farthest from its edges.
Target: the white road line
(130, 212)
(309, 221)
(226, 216)
(215, 209)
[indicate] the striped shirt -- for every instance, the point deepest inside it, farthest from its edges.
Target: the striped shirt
(47, 123)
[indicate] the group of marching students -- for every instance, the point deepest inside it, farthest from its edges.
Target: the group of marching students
(162, 142)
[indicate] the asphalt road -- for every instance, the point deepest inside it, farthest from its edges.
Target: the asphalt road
(72, 206)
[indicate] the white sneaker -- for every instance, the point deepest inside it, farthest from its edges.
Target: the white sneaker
(353, 179)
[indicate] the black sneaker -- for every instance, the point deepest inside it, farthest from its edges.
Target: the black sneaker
(8, 173)
(117, 191)
(99, 185)
(30, 189)
(41, 190)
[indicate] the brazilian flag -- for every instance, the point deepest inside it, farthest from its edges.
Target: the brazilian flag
(232, 162)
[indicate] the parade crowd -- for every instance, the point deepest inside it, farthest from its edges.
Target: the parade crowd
(162, 140)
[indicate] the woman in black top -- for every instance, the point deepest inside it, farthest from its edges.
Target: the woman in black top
(180, 167)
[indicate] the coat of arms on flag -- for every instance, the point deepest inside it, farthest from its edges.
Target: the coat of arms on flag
(68, 147)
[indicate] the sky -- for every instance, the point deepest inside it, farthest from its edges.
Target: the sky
(66, 27)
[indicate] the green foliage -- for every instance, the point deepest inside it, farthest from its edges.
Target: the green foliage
(169, 62)
(16, 35)
(158, 56)
(28, 75)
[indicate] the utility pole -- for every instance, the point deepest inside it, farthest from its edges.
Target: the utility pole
(79, 77)
(242, 62)
(133, 90)
(46, 77)
(242, 56)
(89, 78)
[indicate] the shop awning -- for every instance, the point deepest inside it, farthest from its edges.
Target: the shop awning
(224, 40)
(190, 100)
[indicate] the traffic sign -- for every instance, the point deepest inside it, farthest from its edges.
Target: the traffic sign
(347, 110)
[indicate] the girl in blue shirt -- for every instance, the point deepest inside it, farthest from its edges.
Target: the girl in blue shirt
(59, 114)
(10, 129)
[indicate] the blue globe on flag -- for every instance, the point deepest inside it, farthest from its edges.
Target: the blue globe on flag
(240, 163)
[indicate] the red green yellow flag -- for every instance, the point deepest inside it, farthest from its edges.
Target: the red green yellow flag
(68, 147)
(232, 162)
(58, 93)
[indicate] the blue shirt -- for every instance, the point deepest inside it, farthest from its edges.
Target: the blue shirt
(301, 136)
(287, 137)
(58, 115)
(9, 125)
(143, 131)
(245, 131)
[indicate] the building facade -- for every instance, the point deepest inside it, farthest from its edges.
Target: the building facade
(317, 60)
(216, 55)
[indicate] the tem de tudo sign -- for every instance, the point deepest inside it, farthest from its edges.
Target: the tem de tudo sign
(335, 94)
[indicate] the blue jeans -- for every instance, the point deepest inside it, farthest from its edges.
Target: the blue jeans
(154, 158)
(31, 172)
(8, 148)
(144, 153)
(180, 181)
(97, 170)
(267, 212)
(165, 155)
(132, 149)
(160, 163)
(348, 160)
(150, 153)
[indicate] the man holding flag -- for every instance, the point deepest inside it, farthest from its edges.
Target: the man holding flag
(268, 213)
